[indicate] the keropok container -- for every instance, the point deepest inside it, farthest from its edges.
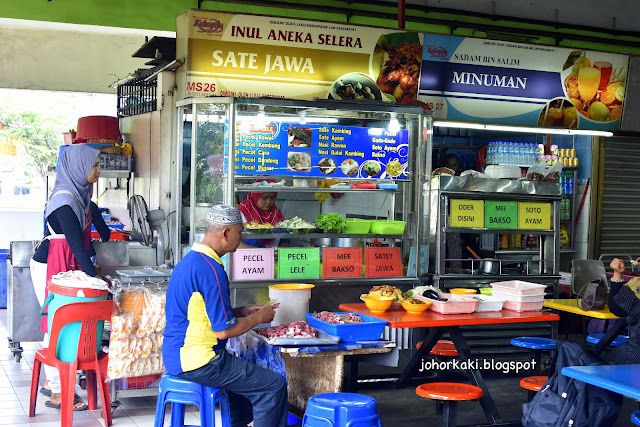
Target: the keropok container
(59, 295)
(294, 301)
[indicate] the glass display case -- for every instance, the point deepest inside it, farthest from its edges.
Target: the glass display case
(365, 162)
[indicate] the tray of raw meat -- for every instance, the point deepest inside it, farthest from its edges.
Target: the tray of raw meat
(296, 333)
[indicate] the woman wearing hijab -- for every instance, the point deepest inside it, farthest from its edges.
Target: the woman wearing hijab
(67, 242)
(261, 207)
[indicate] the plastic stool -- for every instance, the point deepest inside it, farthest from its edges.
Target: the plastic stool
(533, 384)
(442, 348)
(536, 345)
(180, 392)
(341, 410)
(635, 418)
(449, 394)
(620, 339)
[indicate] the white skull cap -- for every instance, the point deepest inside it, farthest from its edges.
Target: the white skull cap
(224, 215)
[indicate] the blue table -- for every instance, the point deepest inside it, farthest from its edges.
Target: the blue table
(621, 379)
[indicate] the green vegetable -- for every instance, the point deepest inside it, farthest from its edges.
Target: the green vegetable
(331, 221)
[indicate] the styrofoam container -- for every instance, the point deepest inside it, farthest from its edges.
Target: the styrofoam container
(523, 306)
(518, 287)
(520, 298)
(370, 329)
(488, 303)
(503, 171)
(456, 304)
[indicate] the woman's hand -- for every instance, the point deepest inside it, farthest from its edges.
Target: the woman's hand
(617, 265)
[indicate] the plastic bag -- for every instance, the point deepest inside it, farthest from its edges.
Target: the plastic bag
(554, 173)
(135, 345)
(537, 172)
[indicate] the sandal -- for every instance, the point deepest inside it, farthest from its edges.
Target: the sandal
(76, 399)
(45, 391)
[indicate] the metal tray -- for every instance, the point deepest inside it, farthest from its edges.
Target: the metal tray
(323, 338)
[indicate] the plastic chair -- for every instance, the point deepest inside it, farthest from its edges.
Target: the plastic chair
(635, 418)
(619, 340)
(95, 365)
(442, 348)
(341, 410)
(536, 345)
(449, 394)
(533, 384)
(180, 392)
(584, 271)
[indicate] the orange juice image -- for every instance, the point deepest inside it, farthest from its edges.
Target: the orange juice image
(588, 82)
(570, 118)
(605, 74)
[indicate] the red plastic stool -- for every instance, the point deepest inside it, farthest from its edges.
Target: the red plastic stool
(442, 348)
(449, 394)
(533, 384)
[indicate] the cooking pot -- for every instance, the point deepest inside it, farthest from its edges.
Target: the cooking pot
(343, 242)
(321, 242)
(489, 266)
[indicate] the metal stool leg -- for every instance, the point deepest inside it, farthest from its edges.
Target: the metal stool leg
(449, 411)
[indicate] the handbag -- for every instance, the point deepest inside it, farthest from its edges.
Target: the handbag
(593, 295)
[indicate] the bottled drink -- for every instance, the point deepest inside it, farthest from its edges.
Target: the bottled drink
(491, 149)
(498, 159)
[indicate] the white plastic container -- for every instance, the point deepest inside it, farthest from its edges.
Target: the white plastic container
(293, 299)
(520, 298)
(488, 303)
(523, 306)
(518, 287)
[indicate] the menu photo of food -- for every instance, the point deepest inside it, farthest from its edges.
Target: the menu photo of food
(355, 87)
(349, 167)
(327, 166)
(594, 83)
(299, 137)
(298, 161)
(394, 168)
(396, 64)
(372, 167)
(559, 112)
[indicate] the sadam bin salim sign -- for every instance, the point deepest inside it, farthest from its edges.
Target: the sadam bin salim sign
(256, 56)
(486, 80)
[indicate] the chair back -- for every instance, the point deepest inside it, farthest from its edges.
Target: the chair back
(89, 313)
(584, 271)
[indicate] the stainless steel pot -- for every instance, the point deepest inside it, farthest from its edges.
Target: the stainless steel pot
(343, 242)
(321, 242)
(489, 266)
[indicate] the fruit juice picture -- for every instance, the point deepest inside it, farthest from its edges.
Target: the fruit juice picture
(588, 82)
(605, 74)
(570, 118)
(557, 114)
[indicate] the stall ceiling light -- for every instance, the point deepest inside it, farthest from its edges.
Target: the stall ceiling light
(294, 119)
(502, 128)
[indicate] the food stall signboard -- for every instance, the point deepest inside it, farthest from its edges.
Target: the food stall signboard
(342, 262)
(298, 263)
(534, 216)
(500, 214)
(467, 213)
(250, 56)
(382, 262)
(325, 151)
(253, 264)
(473, 79)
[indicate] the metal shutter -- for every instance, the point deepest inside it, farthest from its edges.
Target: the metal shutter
(618, 230)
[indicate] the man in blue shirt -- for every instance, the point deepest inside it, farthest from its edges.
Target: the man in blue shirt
(200, 319)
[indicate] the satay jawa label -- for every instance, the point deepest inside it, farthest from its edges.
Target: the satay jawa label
(342, 262)
(253, 264)
(500, 214)
(382, 262)
(324, 151)
(466, 213)
(260, 56)
(298, 263)
(534, 216)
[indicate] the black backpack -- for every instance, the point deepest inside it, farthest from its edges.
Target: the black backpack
(563, 401)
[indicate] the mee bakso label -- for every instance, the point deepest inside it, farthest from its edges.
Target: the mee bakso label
(501, 214)
(342, 262)
(326, 151)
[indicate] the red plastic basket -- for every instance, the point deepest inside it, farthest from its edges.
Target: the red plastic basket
(92, 127)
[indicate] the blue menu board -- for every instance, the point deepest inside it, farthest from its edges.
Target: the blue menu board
(321, 151)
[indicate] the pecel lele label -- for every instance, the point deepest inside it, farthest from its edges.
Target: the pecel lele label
(467, 213)
(382, 262)
(534, 216)
(298, 263)
(500, 214)
(253, 264)
(342, 262)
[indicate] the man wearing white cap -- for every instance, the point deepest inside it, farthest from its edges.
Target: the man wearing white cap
(200, 320)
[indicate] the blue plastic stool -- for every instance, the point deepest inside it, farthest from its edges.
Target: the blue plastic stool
(341, 410)
(635, 418)
(620, 339)
(536, 345)
(180, 392)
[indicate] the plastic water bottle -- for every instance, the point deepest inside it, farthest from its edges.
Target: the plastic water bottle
(489, 154)
(511, 153)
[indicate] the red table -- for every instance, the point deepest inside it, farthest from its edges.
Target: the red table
(440, 323)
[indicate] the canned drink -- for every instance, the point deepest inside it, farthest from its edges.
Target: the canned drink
(572, 152)
(574, 161)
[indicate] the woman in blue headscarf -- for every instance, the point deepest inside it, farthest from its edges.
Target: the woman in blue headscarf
(67, 242)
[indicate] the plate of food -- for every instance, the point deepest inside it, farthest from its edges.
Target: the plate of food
(327, 166)
(296, 225)
(371, 167)
(355, 87)
(299, 137)
(299, 161)
(258, 227)
(349, 167)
